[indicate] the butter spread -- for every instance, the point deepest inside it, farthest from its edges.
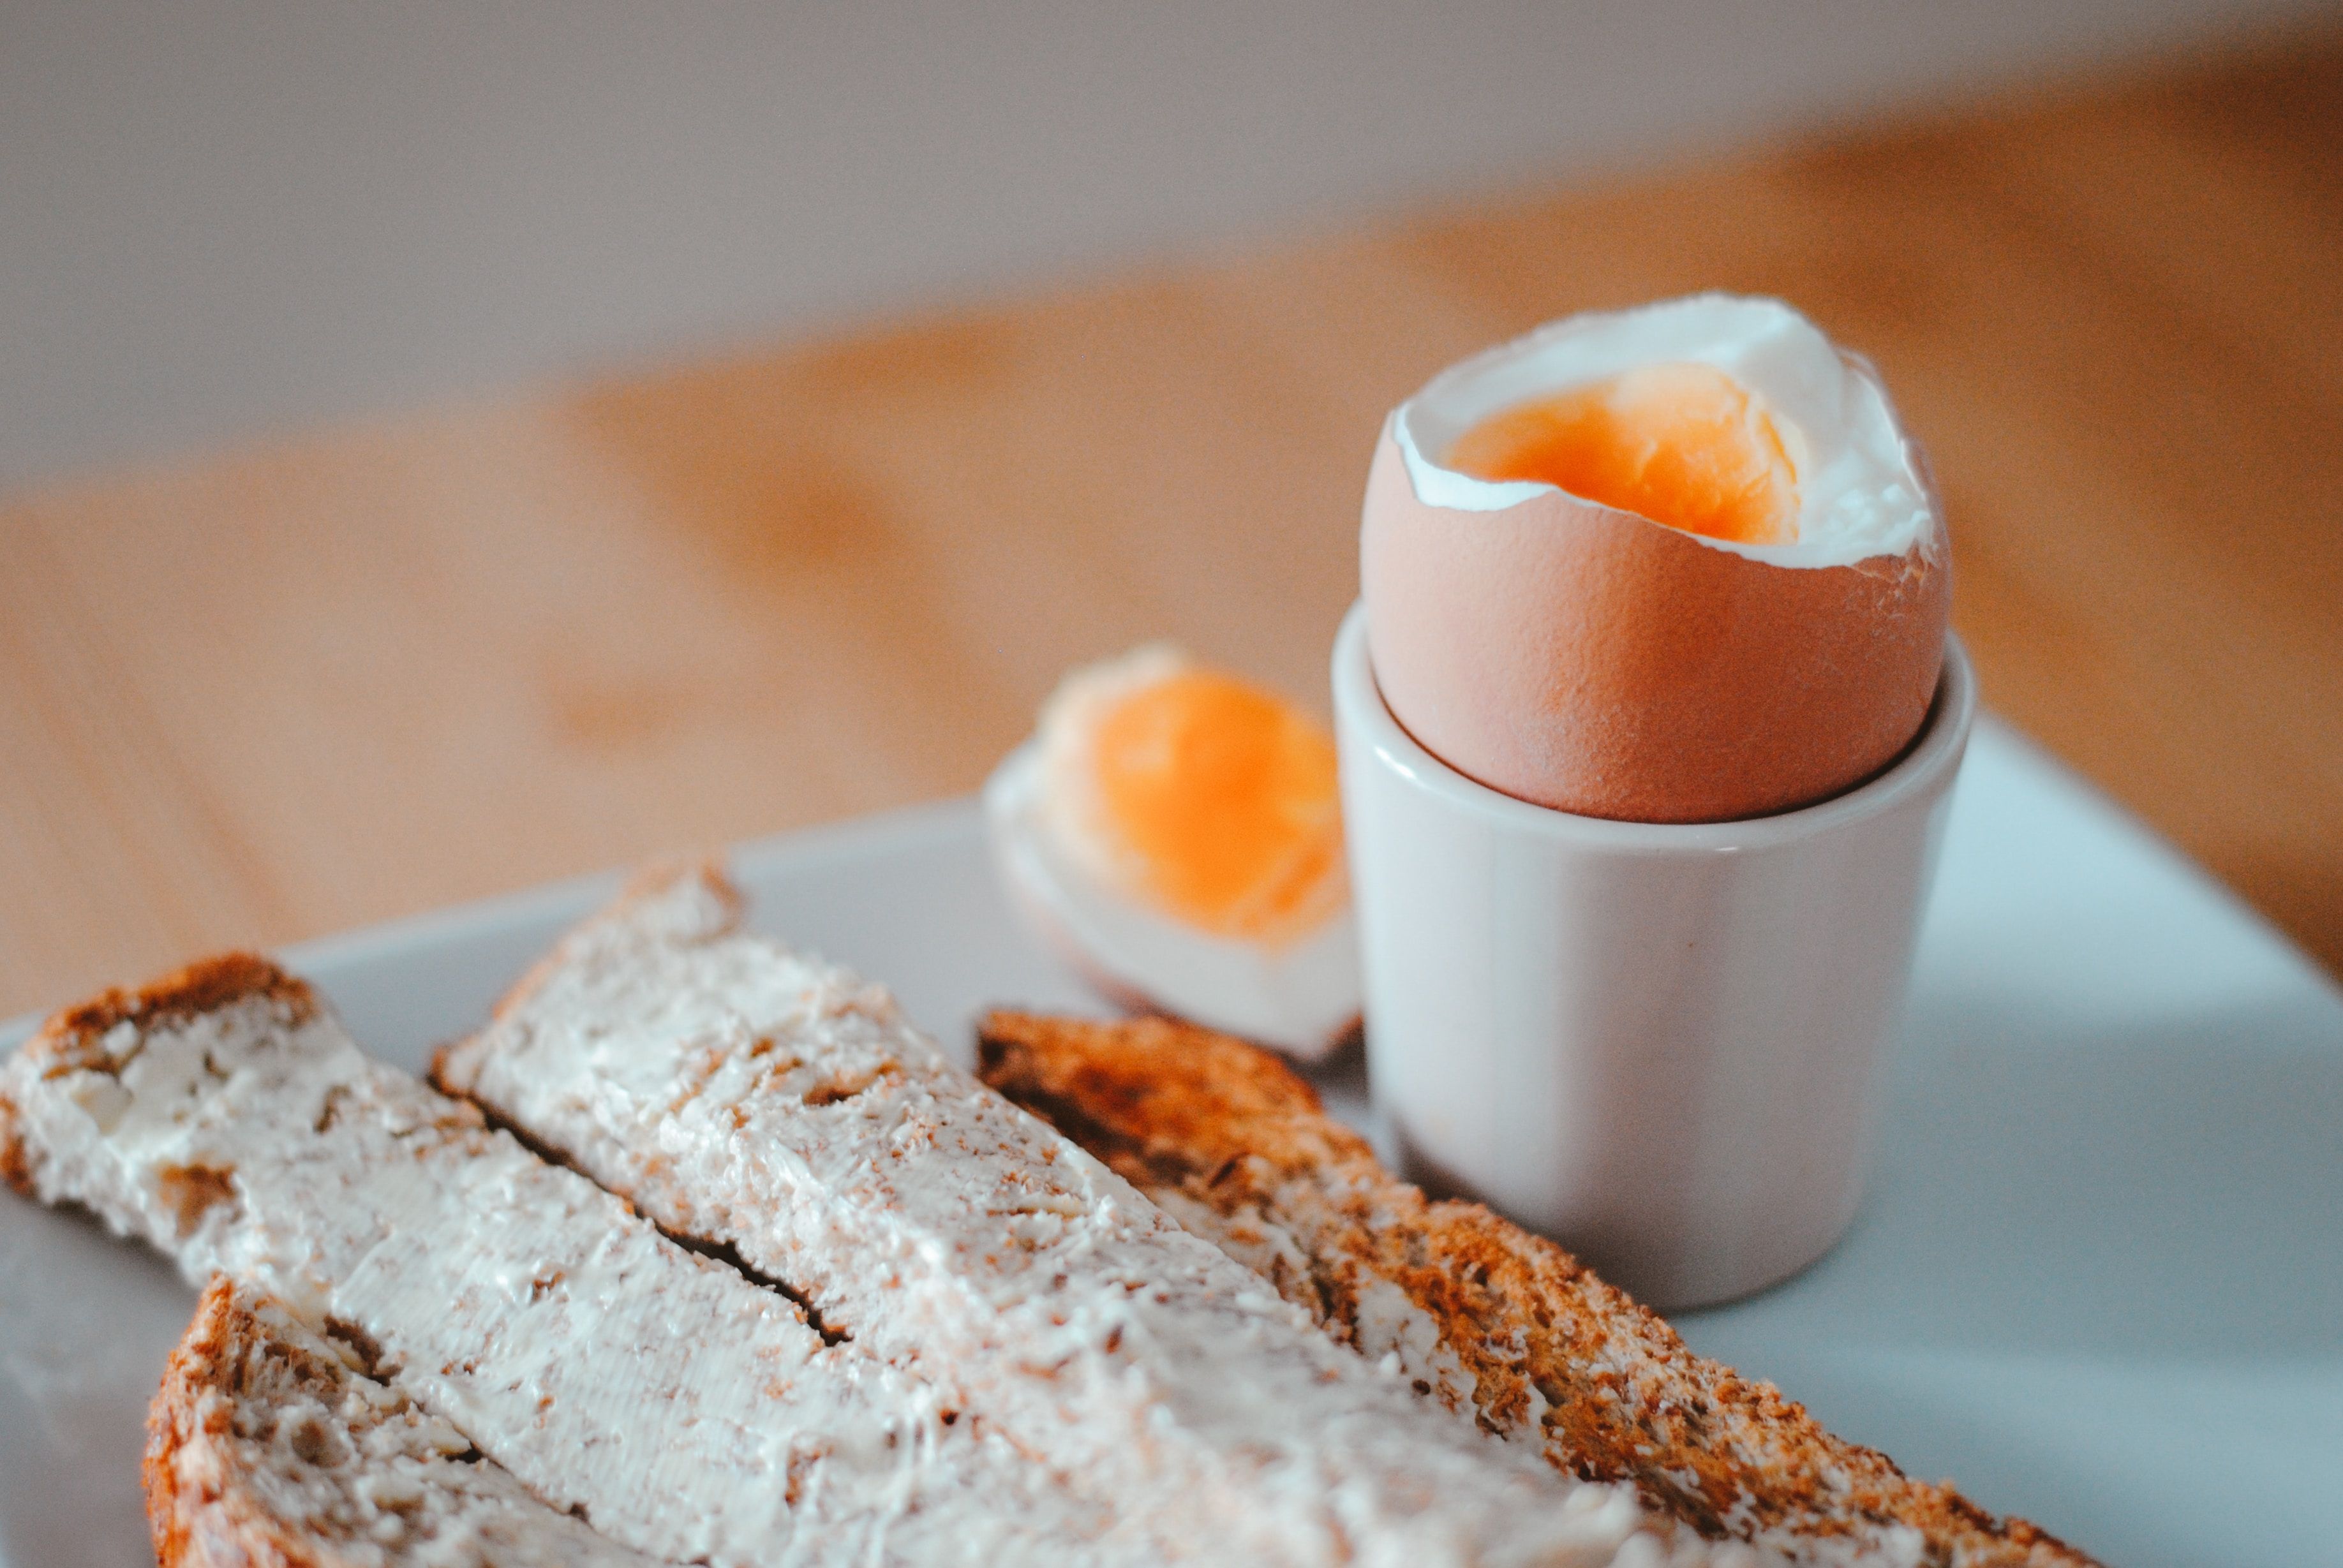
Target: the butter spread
(735, 1090)
(682, 1409)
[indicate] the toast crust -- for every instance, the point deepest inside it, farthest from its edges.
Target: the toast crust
(1223, 1131)
(269, 1446)
(15, 1159)
(206, 986)
(70, 1039)
(212, 1523)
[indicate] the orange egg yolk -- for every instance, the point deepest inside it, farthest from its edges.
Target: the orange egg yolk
(1683, 445)
(1225, 797)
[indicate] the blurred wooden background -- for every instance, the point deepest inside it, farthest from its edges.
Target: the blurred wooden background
(281, 692)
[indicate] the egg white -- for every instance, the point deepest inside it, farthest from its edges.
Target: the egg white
(1301, 997)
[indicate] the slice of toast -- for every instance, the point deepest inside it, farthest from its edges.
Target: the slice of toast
(1478, 1312)
(741, 1091)
(687, 1410)
(267, 1447)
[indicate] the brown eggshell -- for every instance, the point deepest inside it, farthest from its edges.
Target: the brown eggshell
(1596, 662)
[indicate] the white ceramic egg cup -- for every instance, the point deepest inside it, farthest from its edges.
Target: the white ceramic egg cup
(1660, 1044)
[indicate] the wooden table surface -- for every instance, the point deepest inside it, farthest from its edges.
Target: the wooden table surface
(267, 695)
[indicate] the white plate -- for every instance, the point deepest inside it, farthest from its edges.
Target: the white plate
(2099, 1280)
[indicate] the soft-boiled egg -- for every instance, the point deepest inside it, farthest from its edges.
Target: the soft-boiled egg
(1666, 565)
(1175, 833)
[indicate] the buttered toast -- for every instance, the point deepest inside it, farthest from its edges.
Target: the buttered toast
(737, 1090)
(1475, 1310)
(269, 1446)
(688, 1411)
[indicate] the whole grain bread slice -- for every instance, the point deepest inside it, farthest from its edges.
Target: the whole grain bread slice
(690, 1411)
(1482, 1315)
(740, 1090)
(270, 1447)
